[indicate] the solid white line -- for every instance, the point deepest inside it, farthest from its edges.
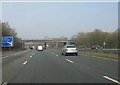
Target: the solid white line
(25, 62)
(111, 79)
(102, 58)
(13, 54)
(105, 58)
(69, 61)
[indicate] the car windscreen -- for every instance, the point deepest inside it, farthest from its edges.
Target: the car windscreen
(70, 46)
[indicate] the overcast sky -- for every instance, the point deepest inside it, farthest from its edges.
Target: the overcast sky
(37, 20)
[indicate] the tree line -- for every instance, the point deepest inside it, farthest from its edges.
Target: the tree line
(8, 31)
(88, 39)
(97, 37)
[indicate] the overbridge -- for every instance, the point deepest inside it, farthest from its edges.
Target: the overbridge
(50, 43)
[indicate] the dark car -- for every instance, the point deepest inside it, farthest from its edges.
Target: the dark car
(81, 47)
(95, 47)
(31, 47)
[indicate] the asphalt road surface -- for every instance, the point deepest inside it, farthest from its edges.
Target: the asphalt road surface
(49, 66)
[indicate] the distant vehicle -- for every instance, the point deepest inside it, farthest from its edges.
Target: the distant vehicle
(69, 49)
(31, 47)
(97, 47)
(40, 48)
(81, 47)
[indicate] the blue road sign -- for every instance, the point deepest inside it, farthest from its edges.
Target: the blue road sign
(7, 41)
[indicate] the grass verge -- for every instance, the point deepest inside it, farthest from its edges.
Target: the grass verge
(105, 55)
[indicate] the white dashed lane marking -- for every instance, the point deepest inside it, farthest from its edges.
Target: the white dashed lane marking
(69, 61)
(30, 56)
(24, 62)
(106, 77)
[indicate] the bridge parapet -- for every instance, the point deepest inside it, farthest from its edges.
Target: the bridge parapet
(57, 43)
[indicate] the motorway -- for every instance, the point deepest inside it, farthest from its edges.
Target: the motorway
(49, 66)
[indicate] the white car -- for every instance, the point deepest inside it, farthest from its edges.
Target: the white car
(69, 49)
(40, 48)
